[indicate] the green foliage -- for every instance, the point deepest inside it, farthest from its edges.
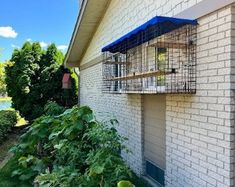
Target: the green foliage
(8, 119)
(124, 184)
(6, 180)
(53, 109)
(72, 149)
(35, 77)
(3, 89)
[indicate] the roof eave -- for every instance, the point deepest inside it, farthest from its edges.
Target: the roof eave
(90, 14)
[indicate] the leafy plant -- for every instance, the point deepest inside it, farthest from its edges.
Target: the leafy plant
(53, 109)
(124, 184)
(72, 149)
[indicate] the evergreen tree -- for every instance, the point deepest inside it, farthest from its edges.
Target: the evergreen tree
(35, 78)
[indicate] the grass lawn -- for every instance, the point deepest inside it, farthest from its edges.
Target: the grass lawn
(5, 98)
(21, 122)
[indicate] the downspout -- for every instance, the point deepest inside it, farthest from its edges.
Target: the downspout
(77, 72)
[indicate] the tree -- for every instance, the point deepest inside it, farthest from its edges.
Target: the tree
(3, 90)
(2, 80)
(35, 78)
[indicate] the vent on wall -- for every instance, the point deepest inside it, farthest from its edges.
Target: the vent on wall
(155, 172)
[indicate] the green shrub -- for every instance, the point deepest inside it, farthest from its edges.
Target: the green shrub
(53, 109)
(8, 119)
(72, 149)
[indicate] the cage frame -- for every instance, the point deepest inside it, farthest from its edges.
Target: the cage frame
(126, 71)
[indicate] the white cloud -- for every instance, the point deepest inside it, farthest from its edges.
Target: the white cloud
(43, 44)
(29, 40)
(8, 32)
(14, 46)
(62, 47)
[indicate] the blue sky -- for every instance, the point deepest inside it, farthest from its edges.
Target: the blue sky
(45, 21)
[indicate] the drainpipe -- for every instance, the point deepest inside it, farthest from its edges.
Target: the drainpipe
(77, 72)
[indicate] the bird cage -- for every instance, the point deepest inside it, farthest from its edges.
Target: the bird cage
(157, 57)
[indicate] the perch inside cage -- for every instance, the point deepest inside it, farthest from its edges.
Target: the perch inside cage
(157, 57)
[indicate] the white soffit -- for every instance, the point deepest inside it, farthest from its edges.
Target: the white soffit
(90, 14)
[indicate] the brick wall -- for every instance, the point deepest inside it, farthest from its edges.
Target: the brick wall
(121, 17)
(200, 127)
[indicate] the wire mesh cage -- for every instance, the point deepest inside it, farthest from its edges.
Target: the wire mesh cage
(165, 63)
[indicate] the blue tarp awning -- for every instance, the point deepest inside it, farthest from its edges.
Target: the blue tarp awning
(155, 27)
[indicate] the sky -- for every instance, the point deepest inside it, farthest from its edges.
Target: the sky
(44, 21)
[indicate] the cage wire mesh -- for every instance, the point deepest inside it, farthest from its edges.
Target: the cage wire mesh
(164, 64)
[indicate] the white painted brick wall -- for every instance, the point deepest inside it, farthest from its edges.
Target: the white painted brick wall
(121, 17)
(210, 146)
(199, 128)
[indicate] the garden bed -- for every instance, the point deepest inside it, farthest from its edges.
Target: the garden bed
(69, 149)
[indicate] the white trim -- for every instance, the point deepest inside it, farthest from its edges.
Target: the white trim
(203, 8)
(83, 4)
(90, 15)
